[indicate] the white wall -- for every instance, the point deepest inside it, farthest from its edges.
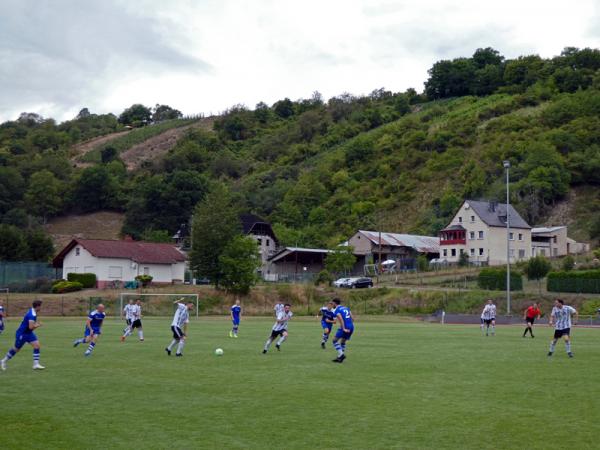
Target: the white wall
(110, 269)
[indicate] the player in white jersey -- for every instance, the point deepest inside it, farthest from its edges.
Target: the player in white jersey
(135, 321)
(489, 317)
(561, 319)
(179, 326)
(280, 328)
(128, 313)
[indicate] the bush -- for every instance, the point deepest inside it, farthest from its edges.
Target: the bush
(587, 281)
(568, 263)
(87, 280)
(324, 277)
(495, 280)
(66, 286)
(144, 279)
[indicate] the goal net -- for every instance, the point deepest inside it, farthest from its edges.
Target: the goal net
(156, 304)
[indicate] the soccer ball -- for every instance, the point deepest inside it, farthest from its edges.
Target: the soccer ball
(219, 352)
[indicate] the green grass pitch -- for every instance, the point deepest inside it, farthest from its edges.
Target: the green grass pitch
(402, 386)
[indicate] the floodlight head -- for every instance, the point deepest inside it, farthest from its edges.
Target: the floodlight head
(506, 164)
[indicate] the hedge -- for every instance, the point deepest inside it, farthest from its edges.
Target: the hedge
(585, 281)
(87, 280)
(495, 280)
(66, 286)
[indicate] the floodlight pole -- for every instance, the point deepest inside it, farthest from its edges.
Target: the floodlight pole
(507, 167)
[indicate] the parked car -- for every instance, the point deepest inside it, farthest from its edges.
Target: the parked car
(356, 283)
(341, 282)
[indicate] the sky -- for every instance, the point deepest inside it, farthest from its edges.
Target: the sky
(205, 56)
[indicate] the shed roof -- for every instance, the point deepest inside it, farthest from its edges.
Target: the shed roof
(422, 244)
(138, 251)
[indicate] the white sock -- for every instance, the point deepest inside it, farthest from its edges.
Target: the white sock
(180, 346)
(172, 344)
(281, 340)
(141, 334)
(268, 343)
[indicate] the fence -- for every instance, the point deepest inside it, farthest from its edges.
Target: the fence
(26, 276)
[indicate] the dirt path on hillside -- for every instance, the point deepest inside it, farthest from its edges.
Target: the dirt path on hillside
(157, 146)
(87, 146)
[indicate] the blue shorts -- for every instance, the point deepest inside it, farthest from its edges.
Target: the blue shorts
(235, 321)
(340, 334)
(22, 339)
(86, 333)
(326, 325)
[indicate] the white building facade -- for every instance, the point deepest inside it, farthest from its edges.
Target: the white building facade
(479, 230)
(122, 261)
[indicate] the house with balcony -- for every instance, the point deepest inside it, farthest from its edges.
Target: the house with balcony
(553, 242)
(478, 229)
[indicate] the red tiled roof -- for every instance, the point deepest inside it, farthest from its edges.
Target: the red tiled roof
(140, 252)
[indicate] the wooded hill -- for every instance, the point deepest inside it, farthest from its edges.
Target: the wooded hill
(319, 170)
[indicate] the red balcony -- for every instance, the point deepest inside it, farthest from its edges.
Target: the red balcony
(453, 235)
(453, 241)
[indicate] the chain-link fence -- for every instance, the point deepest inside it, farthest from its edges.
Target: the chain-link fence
(27, 276)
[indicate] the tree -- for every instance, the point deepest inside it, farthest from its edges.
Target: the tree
(165, 112)
(108, 154)
(12, 244)
(239, 263)
(44, 196)
(40, 246)
(284, 108)
(216, 222)
(536, 269)
(96, 189)
(150, 235)
(463, 259)
(340, 260)
(136, 115)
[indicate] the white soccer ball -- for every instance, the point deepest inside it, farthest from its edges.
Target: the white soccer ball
(219, 352)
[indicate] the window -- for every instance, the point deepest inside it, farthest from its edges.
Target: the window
(480, 252)
(555, 251)
(115, 272)
(453, 252)
(543, 252)
(146, 270)
(459, 219)
(259, 241)
(472, 251)
(520, 236)
(461, 251)
(471, 235)
(77, 251)
(511, 236)
(472, 218)
(481, 235)
(554, 239)
(521, 254)
(445, 252)
(512, 252)
(268, 242)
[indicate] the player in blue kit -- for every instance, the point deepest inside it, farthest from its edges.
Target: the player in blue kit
(93, 329)
(236, 314)
(25, 333)
(327, 321)
(1, 317)
(344, 333)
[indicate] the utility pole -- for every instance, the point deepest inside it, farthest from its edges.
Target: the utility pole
(507, 167)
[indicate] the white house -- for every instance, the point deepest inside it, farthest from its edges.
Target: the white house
(122, 261)
(479, 230)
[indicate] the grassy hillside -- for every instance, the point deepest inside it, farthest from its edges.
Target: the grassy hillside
(319, 170)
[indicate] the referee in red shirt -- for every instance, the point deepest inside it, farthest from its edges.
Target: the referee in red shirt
(532, 313)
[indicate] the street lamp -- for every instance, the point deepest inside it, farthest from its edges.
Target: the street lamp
(506, 165)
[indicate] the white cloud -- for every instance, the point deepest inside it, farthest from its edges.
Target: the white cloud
(205, 56)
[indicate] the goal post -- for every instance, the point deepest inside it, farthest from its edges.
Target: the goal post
(156, 304)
